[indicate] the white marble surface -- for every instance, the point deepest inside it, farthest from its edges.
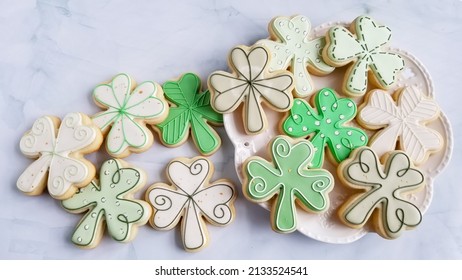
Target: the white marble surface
(52, 53)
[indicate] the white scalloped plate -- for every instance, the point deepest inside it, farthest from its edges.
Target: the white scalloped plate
(327, 227)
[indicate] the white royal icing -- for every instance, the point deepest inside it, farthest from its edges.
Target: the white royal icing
(127, 111)
(404, 121)
(192, 198)
(54, 150)
(251, 82)
(294, 49)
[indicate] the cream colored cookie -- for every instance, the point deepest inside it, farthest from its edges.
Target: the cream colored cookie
(251, 83)
(128, 109)
(191, 198)
(59, 149)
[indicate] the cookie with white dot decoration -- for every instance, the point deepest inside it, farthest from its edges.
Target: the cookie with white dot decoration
(326, 125)
(109, 203)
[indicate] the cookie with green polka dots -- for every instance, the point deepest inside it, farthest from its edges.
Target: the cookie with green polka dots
(326, 125)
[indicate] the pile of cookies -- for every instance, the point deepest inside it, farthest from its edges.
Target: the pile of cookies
(376, 141)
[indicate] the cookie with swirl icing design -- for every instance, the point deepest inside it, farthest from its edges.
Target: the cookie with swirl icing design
(193, 199)
(383, 189)
(59, 148)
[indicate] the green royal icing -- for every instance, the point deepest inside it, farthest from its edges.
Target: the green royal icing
(193, 110)
(288, 176)
(107, 202)
(365, 48)
(327, 125)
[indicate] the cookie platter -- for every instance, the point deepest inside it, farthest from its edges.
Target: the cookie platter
(337, 96)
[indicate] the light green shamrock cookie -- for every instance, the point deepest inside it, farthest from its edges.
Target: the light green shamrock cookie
(109, 202)
(290, 178)
(364, 47)
(292, 47)
(383, 191)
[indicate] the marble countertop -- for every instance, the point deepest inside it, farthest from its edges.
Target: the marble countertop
(53, 52)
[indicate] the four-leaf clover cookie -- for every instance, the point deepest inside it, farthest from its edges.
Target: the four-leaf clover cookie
(129, 108)
(292, 47)
(190, 109)
(327, 125)
(384, 189)
(58, 148)
(193, 199)
(251, 83)
(364, 48)
(290, 178)
(109, 203)
(404, 120)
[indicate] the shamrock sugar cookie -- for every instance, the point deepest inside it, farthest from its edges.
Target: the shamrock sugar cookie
(404, 120)
(193, 199)
(364, 47)
(58, 148)
(190, 109)
(292, 47)
(129, 108)
(290, 178)
(328, 126)
(109, 202)
(251, 83)
(384, 189)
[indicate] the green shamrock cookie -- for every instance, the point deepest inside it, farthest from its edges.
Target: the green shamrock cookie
(290, 178)
(327, 124)
(192, 109)
(109, 202)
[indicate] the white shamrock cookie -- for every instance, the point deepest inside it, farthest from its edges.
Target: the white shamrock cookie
(59, 148)
(192, 199)
(251, 83)
(128, 109)
(384, 189)
(292, 47)
(364, 48)
(404, 121)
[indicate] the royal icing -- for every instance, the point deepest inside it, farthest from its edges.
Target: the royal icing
(193, 110)
(251, 83)
(127, 112)
(192, 198)
(364, 47)
(384, 191)
(293, 49)
(328, 124)
(290, 179)
(109, 202)
(58, 152)
(404, 120)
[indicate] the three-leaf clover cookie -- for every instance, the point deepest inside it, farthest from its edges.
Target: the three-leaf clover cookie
(193, 199)
(404, 121)
(58, 148)
(191, 109)
(363, 46)
(128, 110)
(292, 47)
(109, 203)
(290, 178)
(384, 189)
(251, 83)
(327, 125)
